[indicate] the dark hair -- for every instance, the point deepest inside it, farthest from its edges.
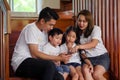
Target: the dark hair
(47, 14)
(89, 18)
(68, 30)
(55, 31)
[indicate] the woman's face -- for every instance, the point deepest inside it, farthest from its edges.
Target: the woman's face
(82, 23)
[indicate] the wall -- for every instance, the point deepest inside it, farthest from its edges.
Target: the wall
(65, 20)
(55, 4)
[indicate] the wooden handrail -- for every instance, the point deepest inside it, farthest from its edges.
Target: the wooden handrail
(4, 30)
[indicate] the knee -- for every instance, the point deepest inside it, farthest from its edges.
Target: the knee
(80, 76)
(75, 76)
(85, 68)
(97, 75)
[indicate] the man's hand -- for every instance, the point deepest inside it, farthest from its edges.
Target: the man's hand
(64, 57)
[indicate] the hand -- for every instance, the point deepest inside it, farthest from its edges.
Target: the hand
(57, 63)
(90, 68)
(74, 49)
(65, 57)
(69, 45)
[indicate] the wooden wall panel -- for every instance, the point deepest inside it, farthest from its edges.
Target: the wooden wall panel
(106, 15)
(4, 30)
(1, 44)
(111, 33)
(118, 3)
(64, 23)
(17, 24)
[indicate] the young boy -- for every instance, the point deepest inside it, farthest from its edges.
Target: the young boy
(52, 48)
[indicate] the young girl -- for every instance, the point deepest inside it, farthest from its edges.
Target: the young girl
(74, 62)
(90, 39)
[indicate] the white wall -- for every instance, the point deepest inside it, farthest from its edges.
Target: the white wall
(55, 4)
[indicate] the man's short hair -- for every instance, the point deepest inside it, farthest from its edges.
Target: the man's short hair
(47, 14)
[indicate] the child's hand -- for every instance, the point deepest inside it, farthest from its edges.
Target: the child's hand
(74, 49)
(69, 45)
(57, 63)
(70, 48)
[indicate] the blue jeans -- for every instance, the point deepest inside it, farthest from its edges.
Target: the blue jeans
(63, 69)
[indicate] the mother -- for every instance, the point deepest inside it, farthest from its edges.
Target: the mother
(89, 36)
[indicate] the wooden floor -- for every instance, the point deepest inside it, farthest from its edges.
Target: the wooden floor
(17, 78)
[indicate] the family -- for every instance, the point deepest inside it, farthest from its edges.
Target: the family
(43, 52)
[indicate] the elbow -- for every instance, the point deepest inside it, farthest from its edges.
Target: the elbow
(93, 45)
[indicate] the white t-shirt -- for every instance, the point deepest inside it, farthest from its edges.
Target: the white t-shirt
(51, 50)
(74, 58)
(100, 48)
(29, 35)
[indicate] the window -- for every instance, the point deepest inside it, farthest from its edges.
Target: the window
(23, 5)
(30, 8)
(23, 8)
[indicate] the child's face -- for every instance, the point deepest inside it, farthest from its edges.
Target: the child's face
(71, 37)
(56, 39)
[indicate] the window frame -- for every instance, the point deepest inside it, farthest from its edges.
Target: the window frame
(23, 14)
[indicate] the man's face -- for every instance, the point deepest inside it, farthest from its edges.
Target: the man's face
(47, 26)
